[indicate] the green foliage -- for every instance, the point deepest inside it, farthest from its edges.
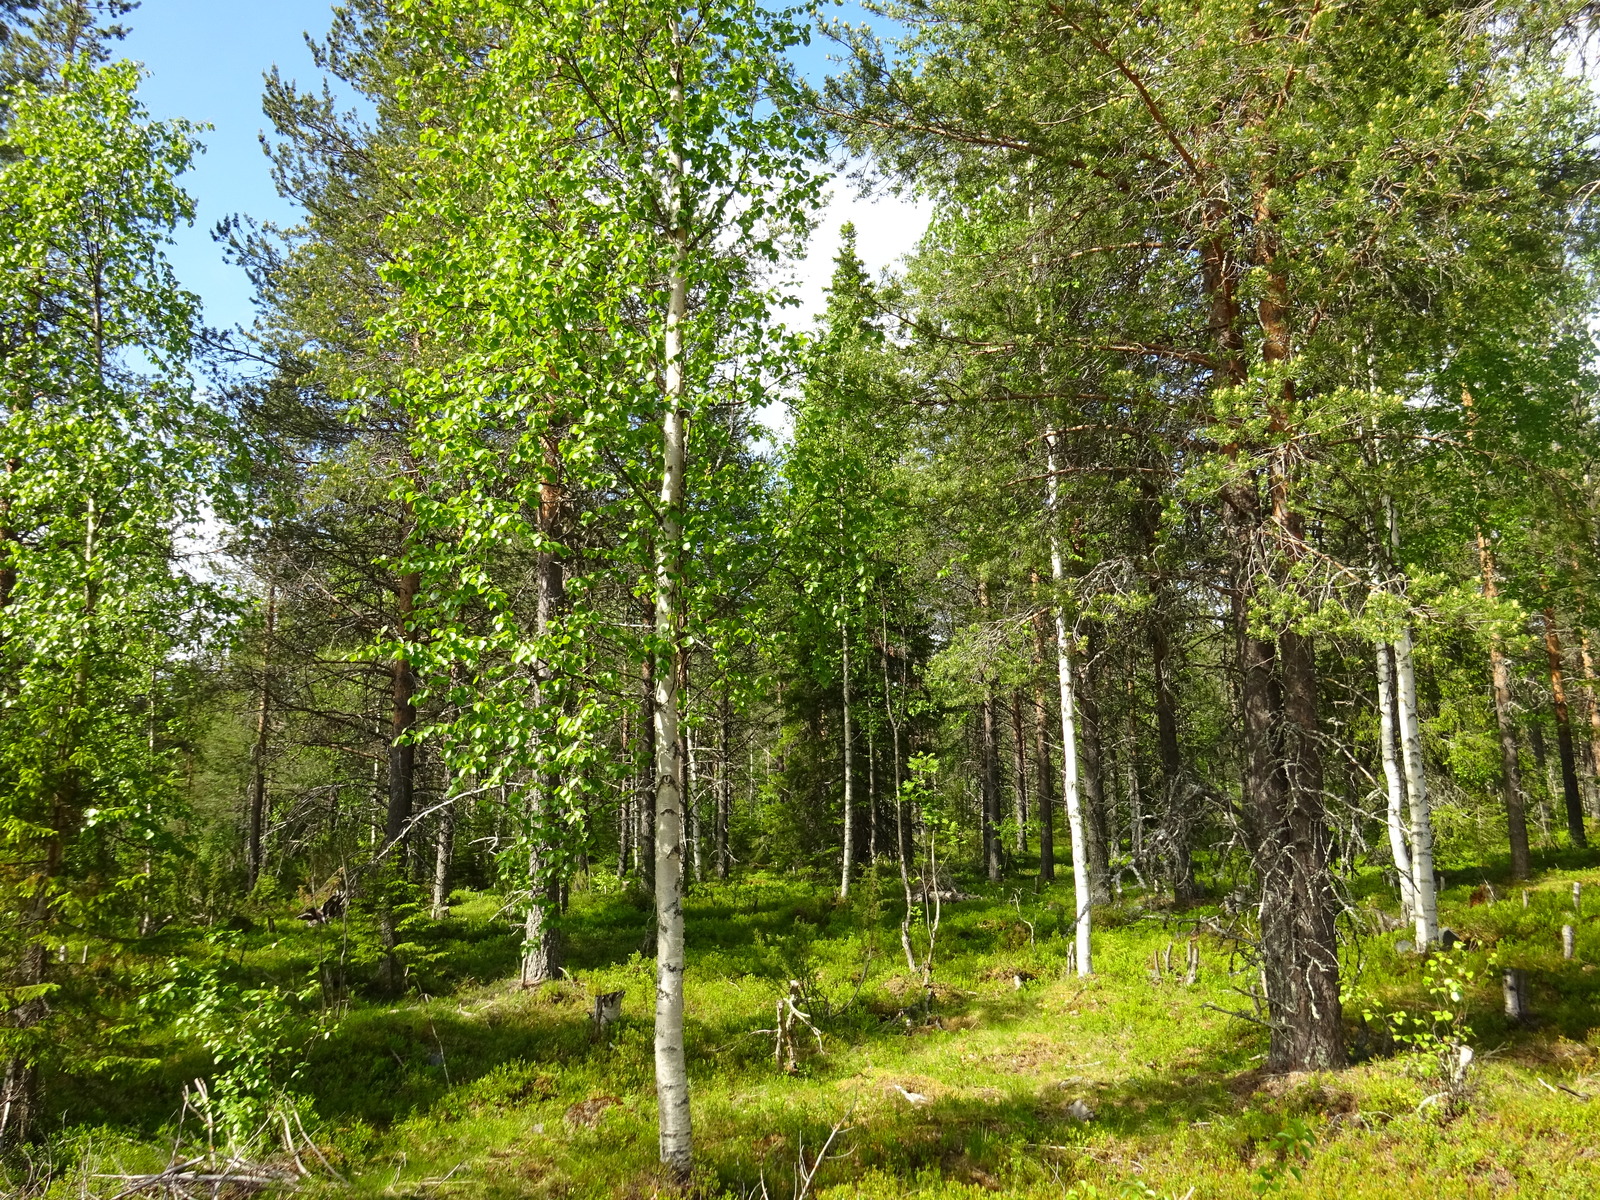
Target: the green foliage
(255, 1036)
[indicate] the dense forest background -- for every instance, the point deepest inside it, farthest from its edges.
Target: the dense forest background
(1206, 512)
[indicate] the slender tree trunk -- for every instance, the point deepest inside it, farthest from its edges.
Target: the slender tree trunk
(1177, 825)
(672, 1074)
(1082, 888)
(1592, 699)
(403, 715)
(902, 848)
(989, 769)
(541, 950)
(724, 783)
(626, 817)
(1091, 780)
(1395, 784)
(848, 855)
(645, 839)
(872, 797)
(989, 787)
(1510, 770)
(444, 859)
(1547, 771)
(1041, 754)
(1569, 764)
(258, 752)
(1020, 771)
(1426, 913)
(691, 795)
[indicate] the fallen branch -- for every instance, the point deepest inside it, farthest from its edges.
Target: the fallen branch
(1228, 1012)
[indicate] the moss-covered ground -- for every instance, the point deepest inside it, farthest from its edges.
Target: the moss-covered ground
(463, 1086)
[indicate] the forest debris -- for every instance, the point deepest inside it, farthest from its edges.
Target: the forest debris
(786, 1051)
(1561, 1087)
(606, 1010)
(586, 1114)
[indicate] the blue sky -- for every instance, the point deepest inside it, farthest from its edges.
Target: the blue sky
(205, 60)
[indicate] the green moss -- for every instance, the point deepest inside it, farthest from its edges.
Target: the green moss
(466, 1087)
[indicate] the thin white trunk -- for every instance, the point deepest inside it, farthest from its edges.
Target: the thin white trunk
(672, 1073)
(1069, 736)
(1396, 785)
(1426, 913)
(693, 802)
(849, 793)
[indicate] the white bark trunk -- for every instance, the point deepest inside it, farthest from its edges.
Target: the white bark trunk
(1426, 913)
(1396, 785)
(1069, 737)
(672, 1074)
(692, 803)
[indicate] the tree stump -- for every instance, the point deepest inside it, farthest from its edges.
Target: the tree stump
(1515, 987)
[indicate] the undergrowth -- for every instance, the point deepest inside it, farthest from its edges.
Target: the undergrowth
(1017, 1077)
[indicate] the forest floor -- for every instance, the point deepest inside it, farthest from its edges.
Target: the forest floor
(1019, 1079)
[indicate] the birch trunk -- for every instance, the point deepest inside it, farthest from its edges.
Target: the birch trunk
(1069, 739)
(692, 800)
(1426, 913)
(672, 1073)
(1394, 783)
